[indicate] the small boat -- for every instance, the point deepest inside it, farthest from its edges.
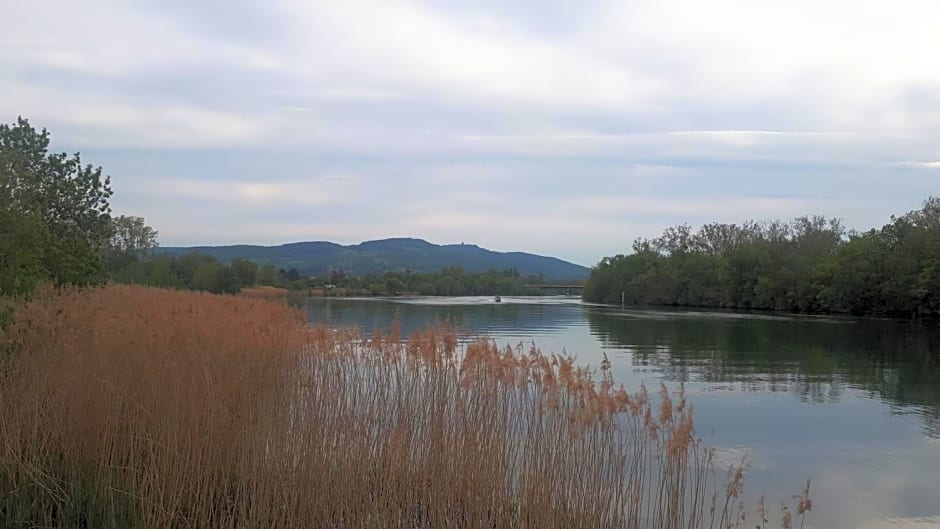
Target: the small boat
(498, 299)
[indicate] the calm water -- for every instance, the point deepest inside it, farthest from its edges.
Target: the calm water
(853, 404)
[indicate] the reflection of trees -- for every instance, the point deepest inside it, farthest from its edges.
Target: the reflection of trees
(722, 369)
(931, 418)
(813, 358)
(816, 359)
(488, 318)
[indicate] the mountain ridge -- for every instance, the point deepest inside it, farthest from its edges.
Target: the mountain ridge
(386, 255)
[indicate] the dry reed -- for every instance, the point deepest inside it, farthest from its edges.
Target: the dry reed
(135, 407)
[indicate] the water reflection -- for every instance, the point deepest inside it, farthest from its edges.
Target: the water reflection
(522, 317)
(814, 358)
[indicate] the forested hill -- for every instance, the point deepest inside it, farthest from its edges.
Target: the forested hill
(811, 264)
(316, 258)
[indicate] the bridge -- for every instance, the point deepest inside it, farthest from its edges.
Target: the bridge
(568, 289)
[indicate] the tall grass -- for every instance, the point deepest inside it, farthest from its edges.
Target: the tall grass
(136, 407)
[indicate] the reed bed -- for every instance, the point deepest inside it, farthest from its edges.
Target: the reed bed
(134, 407)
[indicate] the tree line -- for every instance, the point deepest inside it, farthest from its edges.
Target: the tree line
(811, 264)
(192, 271)
(196, 271)
(450, 281)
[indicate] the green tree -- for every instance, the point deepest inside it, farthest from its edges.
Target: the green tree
(808, 265)
(206, 276)
(212, 276)
(292, 275)
(22, 239)
(267, 275)
(160, 273)
(131, 239)
(246, 271)
(394, 286)
(55, 212)
(186, 265)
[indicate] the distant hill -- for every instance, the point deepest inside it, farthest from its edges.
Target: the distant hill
(317, 258)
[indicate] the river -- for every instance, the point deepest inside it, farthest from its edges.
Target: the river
(853, 404)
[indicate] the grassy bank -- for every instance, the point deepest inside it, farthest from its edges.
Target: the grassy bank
(136, 407)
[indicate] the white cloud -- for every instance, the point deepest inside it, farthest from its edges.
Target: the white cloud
(921, 165)
(428, 54)
(700, 209)
(117, 39)
(90, 120)
(843, 64)
(266, 194)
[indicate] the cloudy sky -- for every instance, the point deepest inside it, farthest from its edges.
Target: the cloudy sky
(556, 127)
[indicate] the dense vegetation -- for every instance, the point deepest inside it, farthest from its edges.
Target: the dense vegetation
(390, 255)
(811, 264)
(54, 213)
(55, 218)
(197, 271)
(131, 407)
(451, 281)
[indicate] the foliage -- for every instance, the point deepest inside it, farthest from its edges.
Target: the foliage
(23, 236)
(808, 265)
(6, 316)
(267, 275)
(192, 271)
(131, 240)
(54, 213)
(245, 271)
(138, 407)
(451, 281)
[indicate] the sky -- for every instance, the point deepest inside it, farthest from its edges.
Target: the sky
(554, 127)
